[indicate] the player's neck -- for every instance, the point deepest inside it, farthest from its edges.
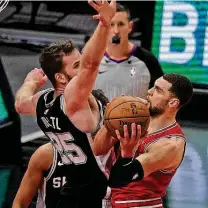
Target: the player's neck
(160, 122)
(58, 91)
(119, 51)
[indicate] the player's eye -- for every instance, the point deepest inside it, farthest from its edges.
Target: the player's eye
(120, 24)
(76, 65)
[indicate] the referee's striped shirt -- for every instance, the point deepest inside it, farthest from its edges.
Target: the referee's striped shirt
(131, 76)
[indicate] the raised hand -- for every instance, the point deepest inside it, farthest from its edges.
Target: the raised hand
(37, 77)
(129, 144)
(105, 10)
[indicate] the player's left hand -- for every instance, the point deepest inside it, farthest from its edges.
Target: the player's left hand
(129, 144)
(106, 11)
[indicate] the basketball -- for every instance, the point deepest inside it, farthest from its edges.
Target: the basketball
(125, 110)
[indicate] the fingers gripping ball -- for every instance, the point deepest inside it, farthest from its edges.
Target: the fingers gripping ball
(125, 110)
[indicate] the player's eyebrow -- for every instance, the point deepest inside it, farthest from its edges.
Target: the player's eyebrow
(158, 88)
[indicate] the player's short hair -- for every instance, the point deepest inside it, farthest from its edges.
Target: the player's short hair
(181, 87)
(51, 58)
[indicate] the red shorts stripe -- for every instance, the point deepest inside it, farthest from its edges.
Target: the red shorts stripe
(151, 203)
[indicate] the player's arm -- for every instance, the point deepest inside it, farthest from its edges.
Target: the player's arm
(103, 142)
(26, 100)
(166, 154)
(80, 87)
(40, 161)
(26, 97)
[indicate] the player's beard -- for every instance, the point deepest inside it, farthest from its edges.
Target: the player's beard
(159, 109)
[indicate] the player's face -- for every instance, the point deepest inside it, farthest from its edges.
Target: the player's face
(159, 97)
(121, 26)
(71, 64)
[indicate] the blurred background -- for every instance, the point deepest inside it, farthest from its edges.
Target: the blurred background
(175, 31)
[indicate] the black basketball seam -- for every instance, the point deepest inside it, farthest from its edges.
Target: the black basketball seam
(116, 118)
(111, 125)
(121, 104)
(108, 119)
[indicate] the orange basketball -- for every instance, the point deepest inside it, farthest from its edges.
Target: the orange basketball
(126, 110)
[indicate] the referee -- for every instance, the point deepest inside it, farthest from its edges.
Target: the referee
(126, 68)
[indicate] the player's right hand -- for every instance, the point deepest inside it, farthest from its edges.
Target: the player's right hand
(105, 10)
(128, 143)
(37, 77)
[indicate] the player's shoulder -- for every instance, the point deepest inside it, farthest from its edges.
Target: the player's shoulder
(43, 157)
(45, 91)
(45, 149)
(169, 141)
(42, 95)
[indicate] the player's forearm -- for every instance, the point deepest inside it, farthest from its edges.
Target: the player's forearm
(94, 49)
(26, 91)
(103, 142)
(18, 204)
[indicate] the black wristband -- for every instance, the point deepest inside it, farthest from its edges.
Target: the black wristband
(124, 171)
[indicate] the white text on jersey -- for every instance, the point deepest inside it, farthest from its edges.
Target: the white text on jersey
(53, 122)
(59, 181)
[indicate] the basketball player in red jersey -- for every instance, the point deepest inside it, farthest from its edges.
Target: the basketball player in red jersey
(142, 173)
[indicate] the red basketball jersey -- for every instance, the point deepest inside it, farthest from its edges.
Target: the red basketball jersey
(148, 191)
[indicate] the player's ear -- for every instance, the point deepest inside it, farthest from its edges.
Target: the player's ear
(174, 103)
(60, 77)
(131, 24)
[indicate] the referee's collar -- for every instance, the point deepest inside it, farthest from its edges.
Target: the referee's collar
(122, 60)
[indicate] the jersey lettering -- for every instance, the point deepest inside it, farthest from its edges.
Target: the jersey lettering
(69, 152)
(59, 182)
(53, 122)
(46, 122)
